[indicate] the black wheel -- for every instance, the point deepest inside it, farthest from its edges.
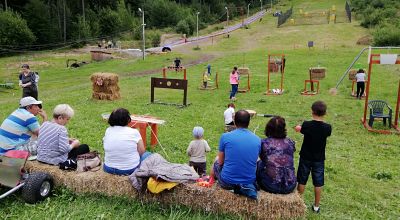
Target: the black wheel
(38, 186)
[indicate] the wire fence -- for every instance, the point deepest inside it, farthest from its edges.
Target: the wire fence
(283, 18)
(348, 11)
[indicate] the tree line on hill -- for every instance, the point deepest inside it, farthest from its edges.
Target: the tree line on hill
(42, 24)
(383, 16)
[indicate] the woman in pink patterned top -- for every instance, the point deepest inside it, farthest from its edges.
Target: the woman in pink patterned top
(234, 81)
(275, 170)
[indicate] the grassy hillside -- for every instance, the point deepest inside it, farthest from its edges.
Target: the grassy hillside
(355, 161)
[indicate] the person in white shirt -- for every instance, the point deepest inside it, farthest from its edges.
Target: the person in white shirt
(360, 78)
(123, 145)
(229, 114)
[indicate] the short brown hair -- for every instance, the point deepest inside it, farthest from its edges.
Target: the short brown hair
(276, 128)
(319, 108)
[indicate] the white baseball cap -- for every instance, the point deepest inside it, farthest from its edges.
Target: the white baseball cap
(29, 100)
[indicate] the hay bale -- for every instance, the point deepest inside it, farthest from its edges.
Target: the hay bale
(105, 86)
(215, 199)
(244, 70)
(366, 40)
(317, 73)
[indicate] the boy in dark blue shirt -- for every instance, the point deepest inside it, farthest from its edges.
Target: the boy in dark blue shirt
(312, 153)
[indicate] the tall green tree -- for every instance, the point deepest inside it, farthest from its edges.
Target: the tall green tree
(14, 30)
(37, 14)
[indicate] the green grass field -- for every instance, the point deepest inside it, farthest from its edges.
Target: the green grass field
(362, 168)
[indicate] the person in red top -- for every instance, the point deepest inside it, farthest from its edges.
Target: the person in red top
(234, 81)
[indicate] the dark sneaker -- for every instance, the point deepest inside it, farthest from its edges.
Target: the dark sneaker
(313, 209)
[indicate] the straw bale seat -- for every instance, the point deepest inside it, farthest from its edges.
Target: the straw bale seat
(215, 199)
(105, 86)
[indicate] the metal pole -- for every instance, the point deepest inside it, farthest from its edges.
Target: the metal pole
(271, 4)
(5, 4)
(260, 5)
(227, 16)
(143, 36)
(248, 7)
(197, 25)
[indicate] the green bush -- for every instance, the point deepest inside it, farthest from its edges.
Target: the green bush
(14, 30)
(182, 27)
(387, 36)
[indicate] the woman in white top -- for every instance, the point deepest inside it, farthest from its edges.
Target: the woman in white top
(123, 145)
(360, 77)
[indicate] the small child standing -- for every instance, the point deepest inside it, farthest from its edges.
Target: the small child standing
(312, 153)
(197, 151)
(205, 79)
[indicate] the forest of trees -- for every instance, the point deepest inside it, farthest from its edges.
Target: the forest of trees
(42, 24)
(383, 16)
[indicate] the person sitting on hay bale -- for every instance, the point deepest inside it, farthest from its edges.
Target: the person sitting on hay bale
(235, 166)
(197, 151)
(54, 145)
(20, 129)
(123, 145)
(275, 170)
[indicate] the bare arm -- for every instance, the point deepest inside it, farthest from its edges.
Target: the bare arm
(221, 158)
(140, 147)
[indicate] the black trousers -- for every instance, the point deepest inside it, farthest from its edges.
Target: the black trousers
(30, 92)
(360, 89)
(82, 149)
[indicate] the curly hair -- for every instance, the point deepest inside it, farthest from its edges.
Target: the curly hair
(276, 128)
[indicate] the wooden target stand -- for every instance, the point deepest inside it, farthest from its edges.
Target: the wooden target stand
(176, 69)
(352, 77)
(316, 74)
(364, 121)
(244, 71)
(164, 83)
(210, 87)
(275, 66)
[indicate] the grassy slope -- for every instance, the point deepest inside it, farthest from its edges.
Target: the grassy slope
(354, 156)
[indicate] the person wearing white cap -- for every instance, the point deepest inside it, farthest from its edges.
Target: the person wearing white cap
(21, 128)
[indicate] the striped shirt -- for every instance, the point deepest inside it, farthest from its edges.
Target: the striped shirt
(53, 143)
(17, 129)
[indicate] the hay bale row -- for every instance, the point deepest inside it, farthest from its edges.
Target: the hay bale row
(215, 199)
(105, 86)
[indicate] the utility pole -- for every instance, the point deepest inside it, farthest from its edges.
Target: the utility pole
(227, 16)
(261, 5)
(248, 10)
(197, 25)
(5, 4)
(143, 37)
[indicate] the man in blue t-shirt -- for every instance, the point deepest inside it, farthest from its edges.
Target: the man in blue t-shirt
(17, 129)
(235, 166)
